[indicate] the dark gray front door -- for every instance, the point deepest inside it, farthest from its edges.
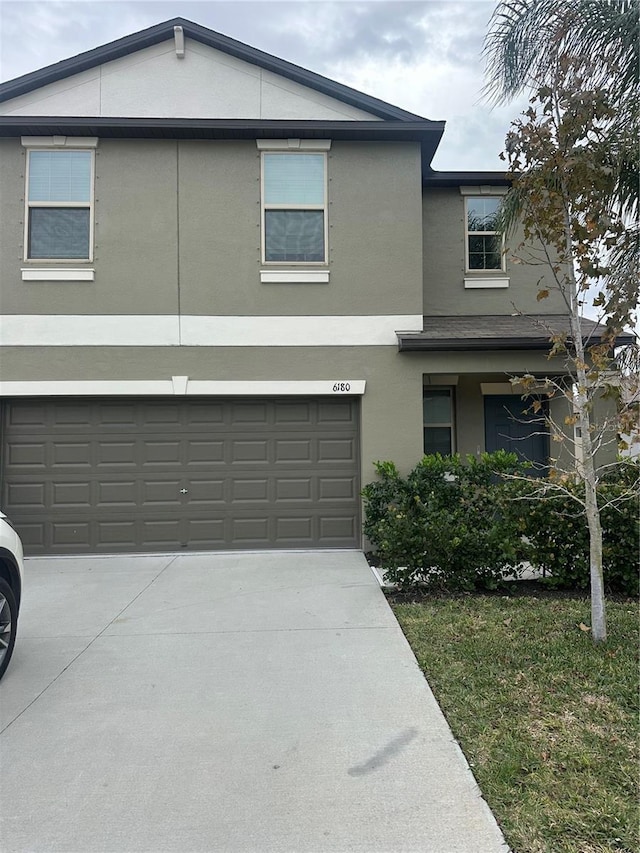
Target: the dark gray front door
(127, 475)
(510, 425)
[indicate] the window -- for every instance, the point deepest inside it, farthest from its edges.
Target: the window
(484, 246)
(294, 208)
(59, 205)
(437, 407)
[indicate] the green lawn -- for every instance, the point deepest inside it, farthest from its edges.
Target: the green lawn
(547, 720)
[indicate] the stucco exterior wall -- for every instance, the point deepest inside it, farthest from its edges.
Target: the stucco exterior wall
(177, 231)
(444, 267)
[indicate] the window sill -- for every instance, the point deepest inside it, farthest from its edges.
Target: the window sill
(485, 283)
(33, 274)
(294, 276)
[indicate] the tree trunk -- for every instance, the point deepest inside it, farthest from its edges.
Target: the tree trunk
(598, 616)
(587, 469)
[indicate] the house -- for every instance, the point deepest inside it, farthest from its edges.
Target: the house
(229, 285)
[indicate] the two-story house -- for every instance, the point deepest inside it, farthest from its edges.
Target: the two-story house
(228, 286)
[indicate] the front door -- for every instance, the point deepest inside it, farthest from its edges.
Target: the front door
(511, 425)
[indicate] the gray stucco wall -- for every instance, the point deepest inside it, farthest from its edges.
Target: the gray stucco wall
(177, 230)
(444, 267)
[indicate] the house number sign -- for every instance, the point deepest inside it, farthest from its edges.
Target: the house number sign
(341, 387)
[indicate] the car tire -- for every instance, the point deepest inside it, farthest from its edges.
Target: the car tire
(8, 624)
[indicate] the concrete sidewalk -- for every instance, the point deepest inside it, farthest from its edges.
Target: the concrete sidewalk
(225, 702)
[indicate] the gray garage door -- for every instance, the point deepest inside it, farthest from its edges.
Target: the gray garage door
(95, 476)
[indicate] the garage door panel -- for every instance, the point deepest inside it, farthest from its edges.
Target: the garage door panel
(296, 530)
(293, 489)
(336, 450)
(163, 492)
(251, 532)
(202, 452)
(74, 495)
(139, 475)
(164, 532)
(117, 493)
(337, 528)
(25, 455)
(74, 534)
(293, 450)
(161, 453)
(249, 413)
(205, 414)
(250, 491)
(119, 534)
(293, 413)
(116, 454)
(28, 414)
(207, 533)
(249, 451)
(336, 488)
(72, 454)
(204, 493)
(30, 496)
(334, 412)
(76, 415)
(33, 537)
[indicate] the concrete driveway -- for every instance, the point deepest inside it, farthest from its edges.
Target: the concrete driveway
(225, 702)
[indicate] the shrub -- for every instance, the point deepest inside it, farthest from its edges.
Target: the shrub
(447, 524)
(557, 530)
(464, 525)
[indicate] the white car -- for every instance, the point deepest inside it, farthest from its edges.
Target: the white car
(11, 573)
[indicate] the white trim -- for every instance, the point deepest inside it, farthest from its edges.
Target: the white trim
(57, 204)
(168, 388)
(485, 283)
(288, 144)
(178, 36)
(82, 274)
(59, 141)
(468, 233)
(484, 190)
(88, 330)
(180, 384)
(301, 331)
(162, 330)
(294, 276)
(324, 207)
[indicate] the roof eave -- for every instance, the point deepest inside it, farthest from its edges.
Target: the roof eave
(417, 342)
(460, 179)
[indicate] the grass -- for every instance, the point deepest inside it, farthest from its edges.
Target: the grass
(547, 719)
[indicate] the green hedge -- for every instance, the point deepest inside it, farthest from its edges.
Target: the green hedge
(447, 523)
(556, 528)
(464, 525)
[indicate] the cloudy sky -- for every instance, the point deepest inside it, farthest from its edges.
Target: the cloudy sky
(424, 56)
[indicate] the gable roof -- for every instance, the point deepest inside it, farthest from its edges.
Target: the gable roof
(165, 30)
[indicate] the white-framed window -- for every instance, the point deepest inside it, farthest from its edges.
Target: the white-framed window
(484, 250)
(294, 206)
(59, 203)
(438, 420)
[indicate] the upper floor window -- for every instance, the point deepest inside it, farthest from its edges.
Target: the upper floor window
(294, 207)
(59, 204)
(484, 245)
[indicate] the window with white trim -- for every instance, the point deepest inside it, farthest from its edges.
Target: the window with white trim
(294, 207)
(59, 200)
(437, 409)
(484, 244)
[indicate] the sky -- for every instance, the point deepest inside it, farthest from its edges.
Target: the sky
(424, 55)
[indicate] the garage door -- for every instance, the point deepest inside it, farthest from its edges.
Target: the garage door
(95, 476)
